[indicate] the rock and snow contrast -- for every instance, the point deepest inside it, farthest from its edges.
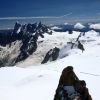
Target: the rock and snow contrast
(28, 79)
(70, 87)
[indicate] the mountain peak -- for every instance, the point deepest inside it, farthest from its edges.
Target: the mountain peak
(79, 26)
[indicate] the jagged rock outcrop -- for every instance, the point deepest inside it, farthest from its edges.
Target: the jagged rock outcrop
(51, 55)
(80, 46)
(17, 27)
(22, 31)
(28, 35)
(77, 43)
(70, 87)
(29, 45)
(33, 31)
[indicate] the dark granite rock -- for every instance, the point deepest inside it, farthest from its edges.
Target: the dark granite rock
(28, 35)
(70, 87)
(47, 57)
(80, 46)
(51, 55)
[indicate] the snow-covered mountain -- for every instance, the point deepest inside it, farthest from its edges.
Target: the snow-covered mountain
(79, 26)
(21, 41)
(32, 42)
(29, 79)
(82, 27)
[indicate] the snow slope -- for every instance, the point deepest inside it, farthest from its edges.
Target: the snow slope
(39, 82)
(57, 39)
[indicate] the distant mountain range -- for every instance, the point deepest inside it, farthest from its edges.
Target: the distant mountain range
(77, 27)
(19, 43)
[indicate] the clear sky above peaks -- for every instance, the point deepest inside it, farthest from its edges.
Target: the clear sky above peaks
(24, 8)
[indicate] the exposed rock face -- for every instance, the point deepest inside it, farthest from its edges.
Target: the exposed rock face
(22, 31)
(28, 35)
(55, 53)
(70, 87)
(80, 46)
(33, 31)
(28, 47)
(17, 27)
(51, 55)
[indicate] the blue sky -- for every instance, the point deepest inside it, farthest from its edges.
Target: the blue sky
(81, 8)
(76, 10)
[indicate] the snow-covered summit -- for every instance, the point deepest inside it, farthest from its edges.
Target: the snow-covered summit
(79, 26)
